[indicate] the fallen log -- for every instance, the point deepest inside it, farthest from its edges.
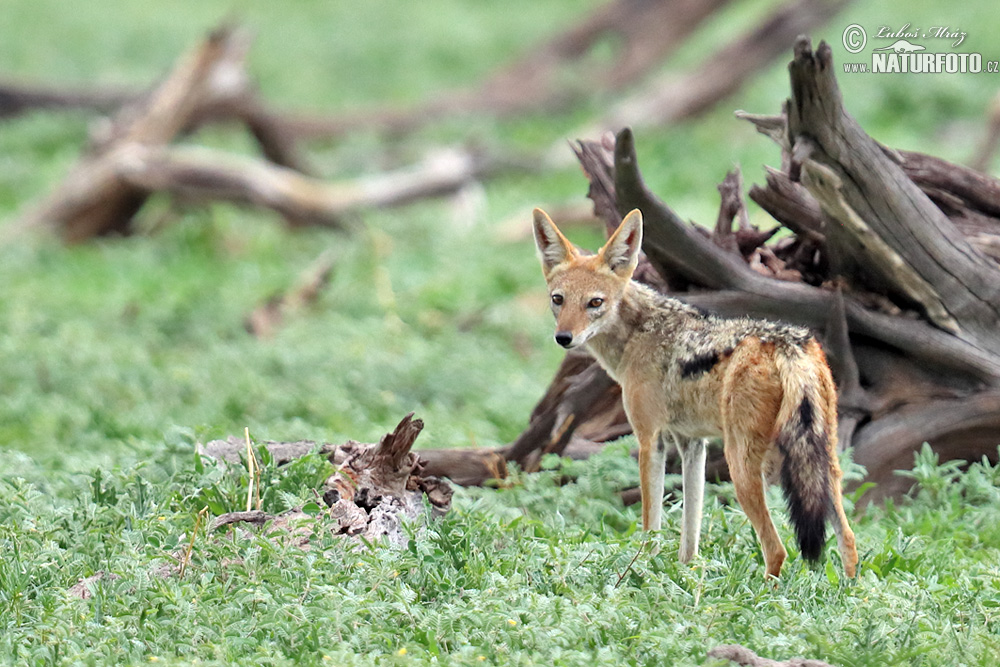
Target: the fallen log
(876, 188)
(93, 200)
(132, 158)
(201, 174)
(20, 98)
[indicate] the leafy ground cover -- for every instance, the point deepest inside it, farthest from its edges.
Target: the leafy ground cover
(540, 572)
(116, 356)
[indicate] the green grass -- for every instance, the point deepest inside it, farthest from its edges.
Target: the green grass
(117, 355)
(538, 573)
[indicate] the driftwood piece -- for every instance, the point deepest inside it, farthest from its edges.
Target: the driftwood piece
(130, 158)
(277, 142)
(970, 199)
(481, 465)
(746, 239)
(853, 403)
(19, 98)
(960, 192)
(966, 428)
(93, 200)
(202, 174)
(239, 102)
(104, 192)
(972, 188)
(790, 204)
(374, 492)
(871, 257)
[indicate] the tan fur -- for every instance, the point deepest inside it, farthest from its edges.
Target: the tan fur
(763, 387)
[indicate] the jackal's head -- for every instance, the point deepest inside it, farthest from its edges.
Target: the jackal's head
(585, 290)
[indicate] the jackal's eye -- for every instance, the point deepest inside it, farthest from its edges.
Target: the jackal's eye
(596, 302)
(557, 299)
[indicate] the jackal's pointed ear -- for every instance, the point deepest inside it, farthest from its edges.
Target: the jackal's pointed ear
(621, 252)
(553, 247)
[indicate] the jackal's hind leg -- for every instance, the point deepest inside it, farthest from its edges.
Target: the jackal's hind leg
(748, 482)
(845, 536)
(693, 471)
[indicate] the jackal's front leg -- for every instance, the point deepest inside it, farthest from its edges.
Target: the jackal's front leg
(652, 462)
(693, 478)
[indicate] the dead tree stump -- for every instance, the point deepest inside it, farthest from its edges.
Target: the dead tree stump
(891, 261)
(885, 265)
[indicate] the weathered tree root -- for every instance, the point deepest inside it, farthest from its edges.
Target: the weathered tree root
(375, 490)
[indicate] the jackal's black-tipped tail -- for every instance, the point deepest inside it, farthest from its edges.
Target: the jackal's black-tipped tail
(805, 473)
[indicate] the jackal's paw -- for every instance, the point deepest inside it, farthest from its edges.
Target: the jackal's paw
(686, 554)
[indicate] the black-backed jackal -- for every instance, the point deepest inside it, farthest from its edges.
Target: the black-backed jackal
(764, 387)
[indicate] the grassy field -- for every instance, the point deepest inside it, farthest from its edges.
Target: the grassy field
(116, 356)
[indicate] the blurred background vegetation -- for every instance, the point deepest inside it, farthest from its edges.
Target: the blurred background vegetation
(107, 346)
(119, 353)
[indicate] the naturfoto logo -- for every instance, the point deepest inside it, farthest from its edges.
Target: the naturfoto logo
(904, 51)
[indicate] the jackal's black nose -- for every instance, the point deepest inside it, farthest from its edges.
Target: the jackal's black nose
(564, 338)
